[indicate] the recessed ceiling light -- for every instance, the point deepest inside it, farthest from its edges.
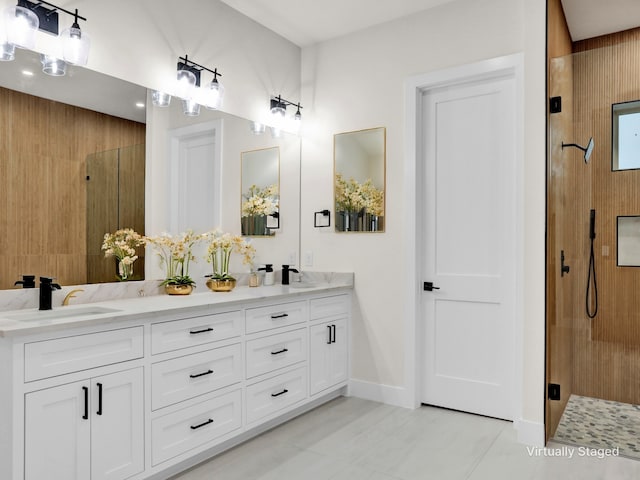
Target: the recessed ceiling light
(27, 73)
(139, 104)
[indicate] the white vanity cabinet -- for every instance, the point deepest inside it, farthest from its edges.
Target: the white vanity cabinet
(328, 342)
(153, 393)
(86, 430)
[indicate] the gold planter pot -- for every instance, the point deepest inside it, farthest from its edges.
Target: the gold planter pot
(225, 285)
(178, 289)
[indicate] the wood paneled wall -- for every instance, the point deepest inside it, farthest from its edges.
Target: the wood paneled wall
(607, 348)
(43, 148)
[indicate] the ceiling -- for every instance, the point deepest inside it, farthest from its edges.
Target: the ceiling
(592, 18)
(306, 22)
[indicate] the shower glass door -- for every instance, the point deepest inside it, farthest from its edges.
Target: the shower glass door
(593, 364)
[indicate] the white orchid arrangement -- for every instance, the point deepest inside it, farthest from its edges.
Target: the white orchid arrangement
(221, 246)
(353, 196)
(260, 201)
(176, 255)
(122, 245)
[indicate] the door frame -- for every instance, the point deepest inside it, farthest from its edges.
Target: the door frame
(415, 87)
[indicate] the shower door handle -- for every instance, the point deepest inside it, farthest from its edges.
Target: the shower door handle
(563, 268)
(428, 287)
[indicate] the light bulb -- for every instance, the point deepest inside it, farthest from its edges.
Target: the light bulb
(214, 94)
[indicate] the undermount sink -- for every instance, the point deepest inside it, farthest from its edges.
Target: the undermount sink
(63, 312)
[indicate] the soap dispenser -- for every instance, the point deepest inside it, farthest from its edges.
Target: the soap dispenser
(268, 274)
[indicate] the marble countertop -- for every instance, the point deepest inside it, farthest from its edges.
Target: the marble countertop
(88, 314)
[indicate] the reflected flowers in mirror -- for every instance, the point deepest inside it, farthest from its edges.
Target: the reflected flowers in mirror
(122, 245)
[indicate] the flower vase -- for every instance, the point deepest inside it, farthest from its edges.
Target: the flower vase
(221, 284)
(124, 271)
(178, 289)
(254, 225)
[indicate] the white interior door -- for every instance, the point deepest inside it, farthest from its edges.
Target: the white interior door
(469, 233)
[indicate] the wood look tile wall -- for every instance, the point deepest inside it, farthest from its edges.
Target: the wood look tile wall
(42, 183)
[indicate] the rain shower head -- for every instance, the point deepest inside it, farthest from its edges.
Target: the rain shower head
(588, 150)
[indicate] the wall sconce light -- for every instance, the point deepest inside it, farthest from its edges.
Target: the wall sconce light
(278, 108)
(53, 66)
(257, 128)
(322, 219)
(24, 20)
(273, 221)
(187, 88)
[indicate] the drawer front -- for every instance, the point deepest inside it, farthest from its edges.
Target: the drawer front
(81, 352)
(176, 334)
(186, 429)
(178, 379)
(267, 354)
(274, 316)
(277, 393)
(336, 305)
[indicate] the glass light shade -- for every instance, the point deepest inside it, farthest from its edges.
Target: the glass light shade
(276, 132)
(160, 99)
(257, 128)
(7, 52)
(53, 66)
(186, 83)
(21, 25)
(278, 111)
(190, 107)
(214, 93)
(75, 46)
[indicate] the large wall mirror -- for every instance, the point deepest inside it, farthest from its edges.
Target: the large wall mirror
(72, 148)
(359, 176)
(260, 191)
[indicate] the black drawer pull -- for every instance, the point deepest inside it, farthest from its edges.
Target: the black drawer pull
(86, 403)
(330, 337)
(195, 427)
(99, 412)
(280, 351)
(282, 315)
(280, 393)
(208, 372)
(201, 331)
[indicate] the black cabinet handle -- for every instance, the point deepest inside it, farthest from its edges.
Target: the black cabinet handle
(329, 342)
(333, 329)
(99, 412)
(195, 427)
(282, 315)
(196, 332)
(428, 287)
(86, 403)
(208, 372)
(280, 393)
(280, 351)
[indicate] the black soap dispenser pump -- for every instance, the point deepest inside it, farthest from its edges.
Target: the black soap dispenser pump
(268, 274)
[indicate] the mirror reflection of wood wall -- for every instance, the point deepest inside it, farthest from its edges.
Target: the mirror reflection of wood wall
(43, 181)
(359, 180)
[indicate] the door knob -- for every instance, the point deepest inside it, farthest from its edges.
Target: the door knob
(428, 287)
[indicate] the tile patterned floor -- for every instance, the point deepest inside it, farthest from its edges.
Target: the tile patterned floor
(592, 422)
(354, 439)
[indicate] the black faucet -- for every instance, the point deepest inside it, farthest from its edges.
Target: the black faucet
(46, 292)
(28, 281)
(285, 274)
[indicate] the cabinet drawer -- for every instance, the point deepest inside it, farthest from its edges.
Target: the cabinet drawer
(176, 334)
(328, 306)
(277, 393)
(273, 316)
(186, 429)
(267, 354)
(81, 352)
(178, 379)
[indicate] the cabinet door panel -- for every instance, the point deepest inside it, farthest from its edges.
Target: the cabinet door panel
(117, 428)
(328, 360)
(56, 434)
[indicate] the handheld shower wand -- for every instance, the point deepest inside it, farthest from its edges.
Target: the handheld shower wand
(592, 270)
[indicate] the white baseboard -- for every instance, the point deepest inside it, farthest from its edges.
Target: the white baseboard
(377, 392)
(530, 433)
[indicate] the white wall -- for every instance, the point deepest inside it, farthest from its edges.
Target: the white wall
(356, 82)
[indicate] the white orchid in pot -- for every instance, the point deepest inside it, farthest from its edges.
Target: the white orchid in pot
(220, 247)
(176, 255)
